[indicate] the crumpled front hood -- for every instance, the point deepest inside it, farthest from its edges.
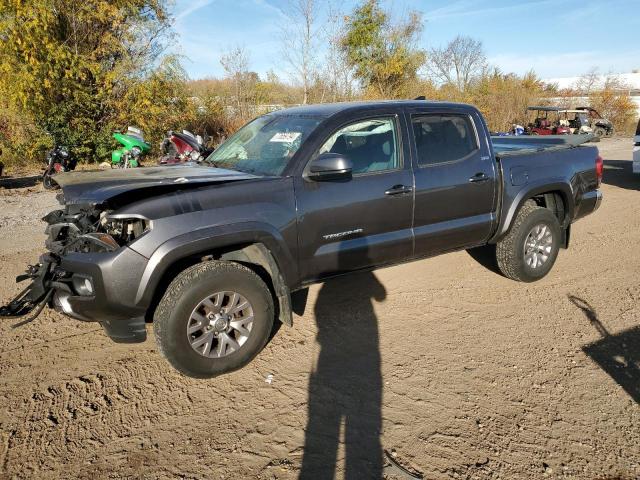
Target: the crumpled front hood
(99, 185)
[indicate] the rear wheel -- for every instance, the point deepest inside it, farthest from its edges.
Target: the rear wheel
(214, 318)
(527, 253)
(599, 132)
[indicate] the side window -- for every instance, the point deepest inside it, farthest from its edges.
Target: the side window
(370, 144)
(443, 138)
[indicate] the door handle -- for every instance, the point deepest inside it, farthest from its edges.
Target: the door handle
(398, 190)
(479, 177)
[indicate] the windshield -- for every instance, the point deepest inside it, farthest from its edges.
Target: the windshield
(265, 145)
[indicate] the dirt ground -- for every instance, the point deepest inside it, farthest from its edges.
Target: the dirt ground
(453, 370)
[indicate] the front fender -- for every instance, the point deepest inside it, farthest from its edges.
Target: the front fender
(206, 240)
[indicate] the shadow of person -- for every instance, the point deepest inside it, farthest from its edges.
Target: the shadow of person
(617, 354)
(346, 386)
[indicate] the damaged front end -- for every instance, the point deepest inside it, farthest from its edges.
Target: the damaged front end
(75, 229)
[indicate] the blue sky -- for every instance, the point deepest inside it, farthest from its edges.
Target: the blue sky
(556, 38)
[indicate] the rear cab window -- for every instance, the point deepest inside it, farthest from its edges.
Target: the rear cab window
(443, 138)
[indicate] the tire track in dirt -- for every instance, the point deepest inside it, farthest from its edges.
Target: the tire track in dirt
(91, 410)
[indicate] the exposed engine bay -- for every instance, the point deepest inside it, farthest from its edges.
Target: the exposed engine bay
(86, 228)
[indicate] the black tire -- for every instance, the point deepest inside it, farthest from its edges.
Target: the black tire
(599, 132)
(186, 292)
(48, 182)
(510, 250)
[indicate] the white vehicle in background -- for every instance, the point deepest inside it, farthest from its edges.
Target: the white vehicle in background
(636, 150)
(576, 120)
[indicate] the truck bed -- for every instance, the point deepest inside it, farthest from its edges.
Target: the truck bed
(526, 144)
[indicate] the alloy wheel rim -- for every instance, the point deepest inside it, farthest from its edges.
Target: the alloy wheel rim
(220, 324)
(538, 246)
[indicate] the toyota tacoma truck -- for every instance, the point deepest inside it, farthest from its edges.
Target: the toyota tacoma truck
(211, 253)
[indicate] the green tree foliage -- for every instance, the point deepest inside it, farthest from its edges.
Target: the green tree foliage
(383, 54)
(77, 69)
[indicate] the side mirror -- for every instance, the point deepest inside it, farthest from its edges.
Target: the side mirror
(330, 166)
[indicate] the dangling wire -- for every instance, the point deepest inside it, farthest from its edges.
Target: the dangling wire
(33, 314)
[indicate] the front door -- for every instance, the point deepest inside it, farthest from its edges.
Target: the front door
(366, 220)
(455, 180)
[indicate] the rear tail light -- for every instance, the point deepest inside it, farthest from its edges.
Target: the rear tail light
(599, 169)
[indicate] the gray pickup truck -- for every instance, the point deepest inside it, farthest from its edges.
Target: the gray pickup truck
(211, 253)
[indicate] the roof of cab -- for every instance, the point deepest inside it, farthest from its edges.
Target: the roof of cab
(330, 109)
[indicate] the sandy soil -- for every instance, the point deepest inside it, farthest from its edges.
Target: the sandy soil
(454, 370)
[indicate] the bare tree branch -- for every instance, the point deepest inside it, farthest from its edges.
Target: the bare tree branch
(300, 41)
(459, 63)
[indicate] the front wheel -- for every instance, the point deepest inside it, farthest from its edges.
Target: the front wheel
(48, 182)
(214, 318)
(527, 253)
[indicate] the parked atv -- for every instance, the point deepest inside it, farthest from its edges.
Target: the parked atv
(601, 126)
(577, 120)
(133, 147)
(58, 160)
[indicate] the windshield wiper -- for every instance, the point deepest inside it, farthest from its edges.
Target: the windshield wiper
(219, 165)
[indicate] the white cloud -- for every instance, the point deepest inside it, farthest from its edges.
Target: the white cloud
(192, 7)
(465, 8)
(557, 65)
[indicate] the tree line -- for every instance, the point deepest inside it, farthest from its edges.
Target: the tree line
(74, 71)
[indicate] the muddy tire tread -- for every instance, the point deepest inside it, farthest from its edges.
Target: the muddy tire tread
(505, 248)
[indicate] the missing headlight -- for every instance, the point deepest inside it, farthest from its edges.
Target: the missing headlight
(124, 230)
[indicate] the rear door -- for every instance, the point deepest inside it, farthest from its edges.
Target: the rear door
(455, 180)
(366, 220)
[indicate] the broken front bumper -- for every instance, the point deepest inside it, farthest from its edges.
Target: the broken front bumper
(92, 287)
(28, 304)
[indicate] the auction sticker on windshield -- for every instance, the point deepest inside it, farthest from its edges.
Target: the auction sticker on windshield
(285, 137)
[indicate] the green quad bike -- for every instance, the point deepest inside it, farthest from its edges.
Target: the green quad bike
(133, 147)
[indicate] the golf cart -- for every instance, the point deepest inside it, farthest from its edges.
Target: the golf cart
(577, 120)
(547, 122)
(601, 126)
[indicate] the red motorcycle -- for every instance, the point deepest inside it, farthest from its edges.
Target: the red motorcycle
(182, 147)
